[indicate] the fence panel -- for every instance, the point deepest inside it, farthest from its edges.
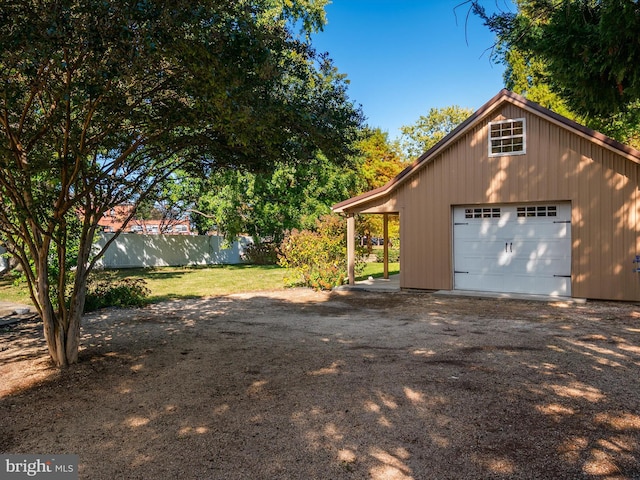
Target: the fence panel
(142, 250)
(4, 261)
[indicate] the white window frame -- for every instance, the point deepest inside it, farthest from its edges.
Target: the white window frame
(508, 136)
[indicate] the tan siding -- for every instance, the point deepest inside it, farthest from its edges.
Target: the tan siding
(386, 204)
(550, 150)
(560, 165)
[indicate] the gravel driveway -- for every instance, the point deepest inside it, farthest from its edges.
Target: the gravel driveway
(347, 385)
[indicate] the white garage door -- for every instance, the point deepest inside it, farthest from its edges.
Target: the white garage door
(513, 248)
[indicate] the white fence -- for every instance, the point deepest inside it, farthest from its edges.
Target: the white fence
(136, 250)
(4, 261)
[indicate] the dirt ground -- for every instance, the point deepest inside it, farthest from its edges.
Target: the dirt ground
(347, 385)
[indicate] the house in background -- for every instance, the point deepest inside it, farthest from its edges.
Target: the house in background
(114, 219)
(516, 199)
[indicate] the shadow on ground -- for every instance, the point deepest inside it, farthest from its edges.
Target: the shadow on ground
(346, 385)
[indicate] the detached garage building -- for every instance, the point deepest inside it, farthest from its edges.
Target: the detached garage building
(516, 199)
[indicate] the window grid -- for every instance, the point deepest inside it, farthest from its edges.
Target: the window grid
(482, 212)
(507, 137)
(537, 211)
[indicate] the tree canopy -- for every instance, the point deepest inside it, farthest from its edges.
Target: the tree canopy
(584, 51)
(429, 129)
(100, 102)
(528, 76)
(265, 205)
(380, 159)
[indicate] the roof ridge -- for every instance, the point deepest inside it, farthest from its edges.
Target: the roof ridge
(497, 100)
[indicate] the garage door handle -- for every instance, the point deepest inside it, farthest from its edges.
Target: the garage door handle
(511, 247)
(505, 246)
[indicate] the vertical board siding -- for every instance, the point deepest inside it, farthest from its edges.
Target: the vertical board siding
(559, 165)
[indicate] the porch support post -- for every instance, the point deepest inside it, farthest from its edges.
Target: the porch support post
(385, 238)
(351, 248)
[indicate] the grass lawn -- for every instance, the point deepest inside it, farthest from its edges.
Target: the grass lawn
(192, 282)
(376, 270)
(13, 293)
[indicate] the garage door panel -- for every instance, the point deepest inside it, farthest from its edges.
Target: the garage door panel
(483, 264)
(535, 267)
(540, 231)
(525, 249)
(548, 253)
(492, 282)
(527, 256)
(485, 229)
(553, 285)
(529, 265)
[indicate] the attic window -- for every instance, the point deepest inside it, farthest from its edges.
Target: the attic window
(507, 137)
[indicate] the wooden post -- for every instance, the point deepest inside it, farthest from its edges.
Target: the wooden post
(385, 238)
(351, 248)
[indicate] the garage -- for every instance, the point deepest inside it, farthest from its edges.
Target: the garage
(516, 199)
(513, 248)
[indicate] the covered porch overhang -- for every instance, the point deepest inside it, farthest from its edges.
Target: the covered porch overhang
(351, 244)
(384, 206)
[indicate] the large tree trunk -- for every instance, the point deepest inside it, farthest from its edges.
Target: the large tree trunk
(62, 336)
(61, 324)
(61, 329)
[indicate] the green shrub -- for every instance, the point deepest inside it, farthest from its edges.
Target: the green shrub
(107, 290)
(394, 255)
(318, 258)
(261, 254)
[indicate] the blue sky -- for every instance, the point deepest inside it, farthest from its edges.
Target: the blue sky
(404, 57)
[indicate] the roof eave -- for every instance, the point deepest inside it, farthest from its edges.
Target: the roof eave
(502, 96)
(416, 164)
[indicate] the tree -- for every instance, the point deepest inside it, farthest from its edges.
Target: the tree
(169, 203)
(100, 102)
(265, 205)
(528, 76)
(589, 49)
(431, 128)
(380, 161)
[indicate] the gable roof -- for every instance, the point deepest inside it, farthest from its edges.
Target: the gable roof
(492, 105)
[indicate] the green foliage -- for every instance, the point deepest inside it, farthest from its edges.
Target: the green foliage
(394, 255)
(316, 258)
(102, 101)
(623, 126)
(528, 76)
(584, 51)
(267, 204)
(431, 128)
(261, 254)
(108, 290)
(380, 159)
